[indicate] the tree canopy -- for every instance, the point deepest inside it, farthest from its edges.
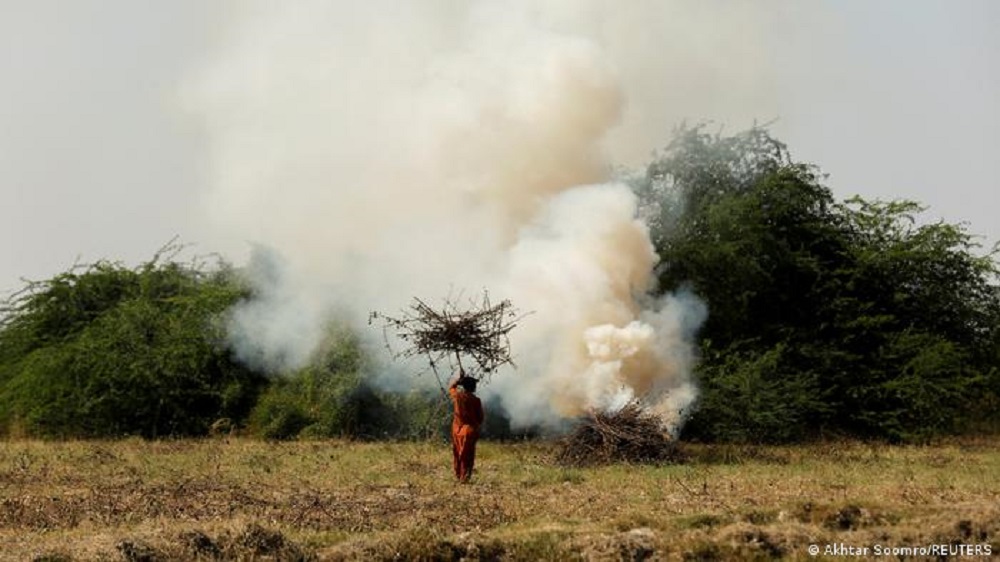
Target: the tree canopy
(825, 317)
(105, 350)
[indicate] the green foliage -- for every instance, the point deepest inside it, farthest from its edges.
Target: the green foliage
(698, 169)
(333, 398)
(756, 396)
(924, 276)
(823, 316)
(934, 381)
(105, 350)
(278, 414)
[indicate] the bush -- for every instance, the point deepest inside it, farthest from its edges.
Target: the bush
(333, 398)
(752, 397)
(104, 350)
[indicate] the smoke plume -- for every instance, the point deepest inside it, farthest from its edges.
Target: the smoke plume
(379, 151)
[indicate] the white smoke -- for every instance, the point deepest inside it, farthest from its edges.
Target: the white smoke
(389, 150)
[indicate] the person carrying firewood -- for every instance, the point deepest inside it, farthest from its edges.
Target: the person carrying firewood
(465, 424)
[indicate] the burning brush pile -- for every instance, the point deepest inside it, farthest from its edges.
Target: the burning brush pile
(626, 435)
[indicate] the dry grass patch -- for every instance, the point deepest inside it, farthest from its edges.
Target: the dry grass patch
(235, 499)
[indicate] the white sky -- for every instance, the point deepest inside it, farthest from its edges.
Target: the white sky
(893, 99)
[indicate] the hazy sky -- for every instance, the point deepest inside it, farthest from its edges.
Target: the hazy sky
(893, 99)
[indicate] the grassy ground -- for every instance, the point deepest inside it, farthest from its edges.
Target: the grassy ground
(329, 500)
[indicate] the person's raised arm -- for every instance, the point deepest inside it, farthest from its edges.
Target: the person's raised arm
(457, 378)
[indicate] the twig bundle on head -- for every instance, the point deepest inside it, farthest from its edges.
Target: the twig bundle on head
(479, 332)
(626, 435)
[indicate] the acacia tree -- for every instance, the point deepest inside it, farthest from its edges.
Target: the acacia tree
(105, 350)
(823, 316)
(920, 307)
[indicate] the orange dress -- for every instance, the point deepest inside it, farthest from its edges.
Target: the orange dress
(464, 430)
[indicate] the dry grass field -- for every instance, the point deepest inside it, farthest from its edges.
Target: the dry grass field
(239, 499)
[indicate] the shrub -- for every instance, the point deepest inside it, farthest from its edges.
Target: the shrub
(104, 350)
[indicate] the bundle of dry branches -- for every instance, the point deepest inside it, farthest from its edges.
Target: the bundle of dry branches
(626, 435)
(479, 332)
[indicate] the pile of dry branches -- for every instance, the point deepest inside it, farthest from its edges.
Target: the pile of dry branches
(626, 435)
(478, 332)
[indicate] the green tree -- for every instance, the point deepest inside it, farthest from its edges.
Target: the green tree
(914, 307)
(823, 316)
(105, 350)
